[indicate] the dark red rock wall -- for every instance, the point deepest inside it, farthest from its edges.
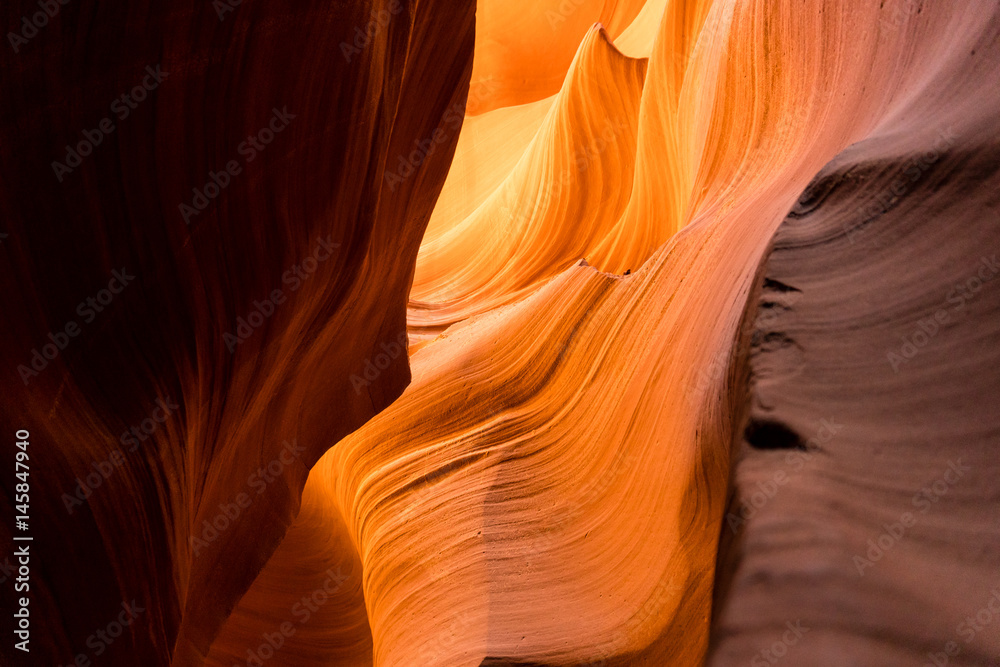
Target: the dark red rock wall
(304, 239)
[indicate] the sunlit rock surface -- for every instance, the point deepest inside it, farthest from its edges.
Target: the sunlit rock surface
(551, 487)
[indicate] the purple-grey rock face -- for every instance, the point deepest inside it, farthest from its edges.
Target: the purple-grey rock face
(864, 525)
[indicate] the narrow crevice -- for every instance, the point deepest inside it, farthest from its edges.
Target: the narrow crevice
(778, 286)
(770, 434)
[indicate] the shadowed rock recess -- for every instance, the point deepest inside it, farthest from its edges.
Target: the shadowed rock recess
(249, 310)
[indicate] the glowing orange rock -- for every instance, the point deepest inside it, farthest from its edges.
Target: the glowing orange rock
(550, 486)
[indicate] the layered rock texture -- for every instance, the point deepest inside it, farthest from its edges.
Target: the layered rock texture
(608, 333)
(868, 477)
(248, 311)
